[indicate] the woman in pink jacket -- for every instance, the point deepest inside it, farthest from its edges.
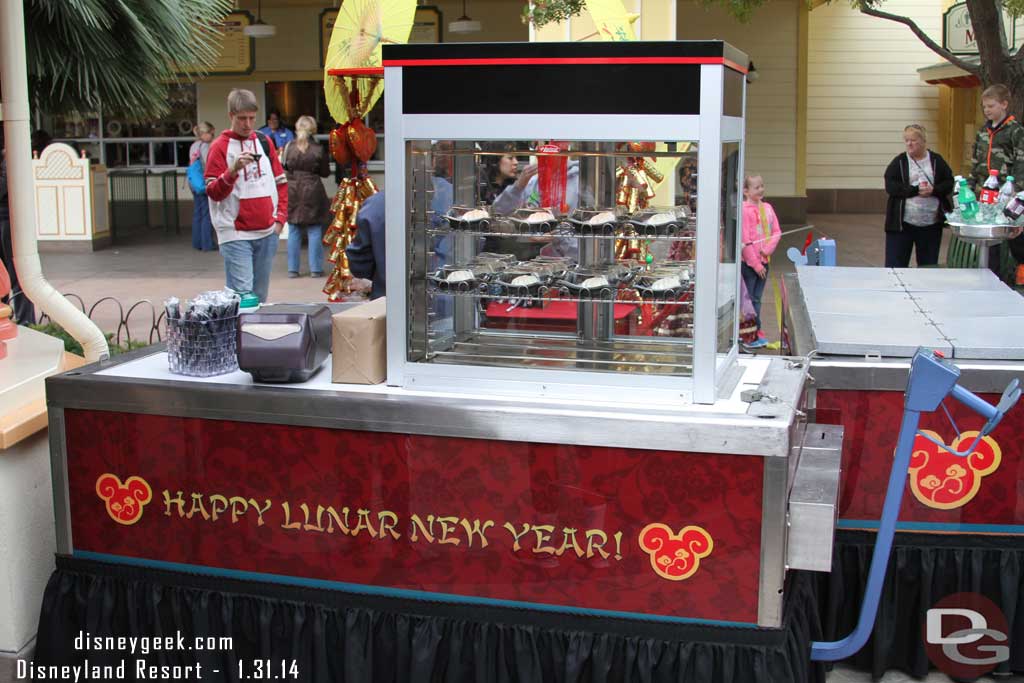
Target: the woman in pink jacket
(761, 235)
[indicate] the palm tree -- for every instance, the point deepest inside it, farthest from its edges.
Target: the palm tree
(121, 53)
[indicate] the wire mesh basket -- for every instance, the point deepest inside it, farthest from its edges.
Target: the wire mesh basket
(202, 348)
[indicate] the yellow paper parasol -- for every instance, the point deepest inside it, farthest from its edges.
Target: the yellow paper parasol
(361, 28)
(612, 20)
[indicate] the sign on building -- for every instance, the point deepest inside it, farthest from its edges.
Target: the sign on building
(958, 34)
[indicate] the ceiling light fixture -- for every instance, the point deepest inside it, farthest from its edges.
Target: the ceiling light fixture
(259, 29)
(464, 24)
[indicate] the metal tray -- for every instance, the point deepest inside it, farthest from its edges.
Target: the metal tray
(942, 306)
(503, 283)
(638, 224)
(643, 286)
(525, 227)
(889, 336)
(948, 279)
(985, 337)
(574, 279)
(581, 225)
(456, 222)
(844, 277)
(439, 279)
(987, 232)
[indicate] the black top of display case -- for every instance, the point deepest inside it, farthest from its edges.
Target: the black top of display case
(603, 52)
(625, 78)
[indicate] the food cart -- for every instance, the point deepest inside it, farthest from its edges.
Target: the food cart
(961, 523)
(514, 502)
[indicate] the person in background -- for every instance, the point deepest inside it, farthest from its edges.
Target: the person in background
(276, 130)
(999, 145)
(248, 194)
(24, 311)
(40, 140)
(761, 234)
(497, 172)
(525, 192)
(203, 237)
(919, 184)
(366, 256)
(306, 163)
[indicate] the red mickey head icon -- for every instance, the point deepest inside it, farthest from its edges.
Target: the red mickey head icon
(675, 556)
(124, 501)
(945, 481)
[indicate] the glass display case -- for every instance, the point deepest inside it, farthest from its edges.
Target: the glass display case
(563, 243)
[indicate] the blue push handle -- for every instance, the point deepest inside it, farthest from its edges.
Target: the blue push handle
(992, 414)
(850, 645)
(975, 402)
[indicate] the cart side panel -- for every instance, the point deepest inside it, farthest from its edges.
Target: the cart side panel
(980, 493)
(534, 525)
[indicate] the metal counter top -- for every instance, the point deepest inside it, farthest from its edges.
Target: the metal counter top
(893, 311)
(141, 383)
(864, 338)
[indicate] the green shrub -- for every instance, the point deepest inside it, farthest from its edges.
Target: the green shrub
(71, 345)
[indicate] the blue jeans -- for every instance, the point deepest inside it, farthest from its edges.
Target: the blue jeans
(247, 264)
(755, 287)
(203, 237)
(316, 247)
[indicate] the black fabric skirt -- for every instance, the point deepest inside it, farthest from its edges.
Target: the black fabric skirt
(335, 636)
(923, 569)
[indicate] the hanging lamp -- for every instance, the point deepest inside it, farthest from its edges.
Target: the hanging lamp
(259, 29)
(464, 24)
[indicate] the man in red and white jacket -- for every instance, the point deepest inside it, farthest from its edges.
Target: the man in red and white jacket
(248, 195)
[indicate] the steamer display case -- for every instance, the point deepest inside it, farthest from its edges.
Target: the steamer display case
(578, 236)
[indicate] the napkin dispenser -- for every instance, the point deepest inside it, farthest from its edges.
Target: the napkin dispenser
(284, 342)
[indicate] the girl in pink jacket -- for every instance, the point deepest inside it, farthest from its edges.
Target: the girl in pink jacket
(761, 235)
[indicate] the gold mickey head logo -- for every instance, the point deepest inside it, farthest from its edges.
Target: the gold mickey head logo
(675, 557)
(124, 501)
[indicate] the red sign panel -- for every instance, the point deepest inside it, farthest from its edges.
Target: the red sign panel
(945, 492)
(619, 530)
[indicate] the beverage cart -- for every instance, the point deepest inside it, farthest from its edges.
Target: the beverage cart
(516, 501)
(960, 526)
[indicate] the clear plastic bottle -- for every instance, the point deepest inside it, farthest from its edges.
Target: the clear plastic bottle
(1006, 194)
(957, 181)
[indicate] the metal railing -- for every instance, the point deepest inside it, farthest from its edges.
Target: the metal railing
(130, 198)
(143, 312)
(169, 198)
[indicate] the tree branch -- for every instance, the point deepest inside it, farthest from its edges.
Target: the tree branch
(923, 37)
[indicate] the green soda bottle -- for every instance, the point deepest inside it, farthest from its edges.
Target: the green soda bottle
(968, 202)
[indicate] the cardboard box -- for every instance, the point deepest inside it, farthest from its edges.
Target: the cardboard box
(359, 344)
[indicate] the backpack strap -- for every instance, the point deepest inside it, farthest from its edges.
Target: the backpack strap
(264, 143)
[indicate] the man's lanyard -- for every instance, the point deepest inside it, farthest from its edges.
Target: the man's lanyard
(991, 136)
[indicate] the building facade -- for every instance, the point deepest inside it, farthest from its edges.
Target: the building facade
(833, 89)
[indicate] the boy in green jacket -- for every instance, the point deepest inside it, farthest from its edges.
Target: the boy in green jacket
(999, 144)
